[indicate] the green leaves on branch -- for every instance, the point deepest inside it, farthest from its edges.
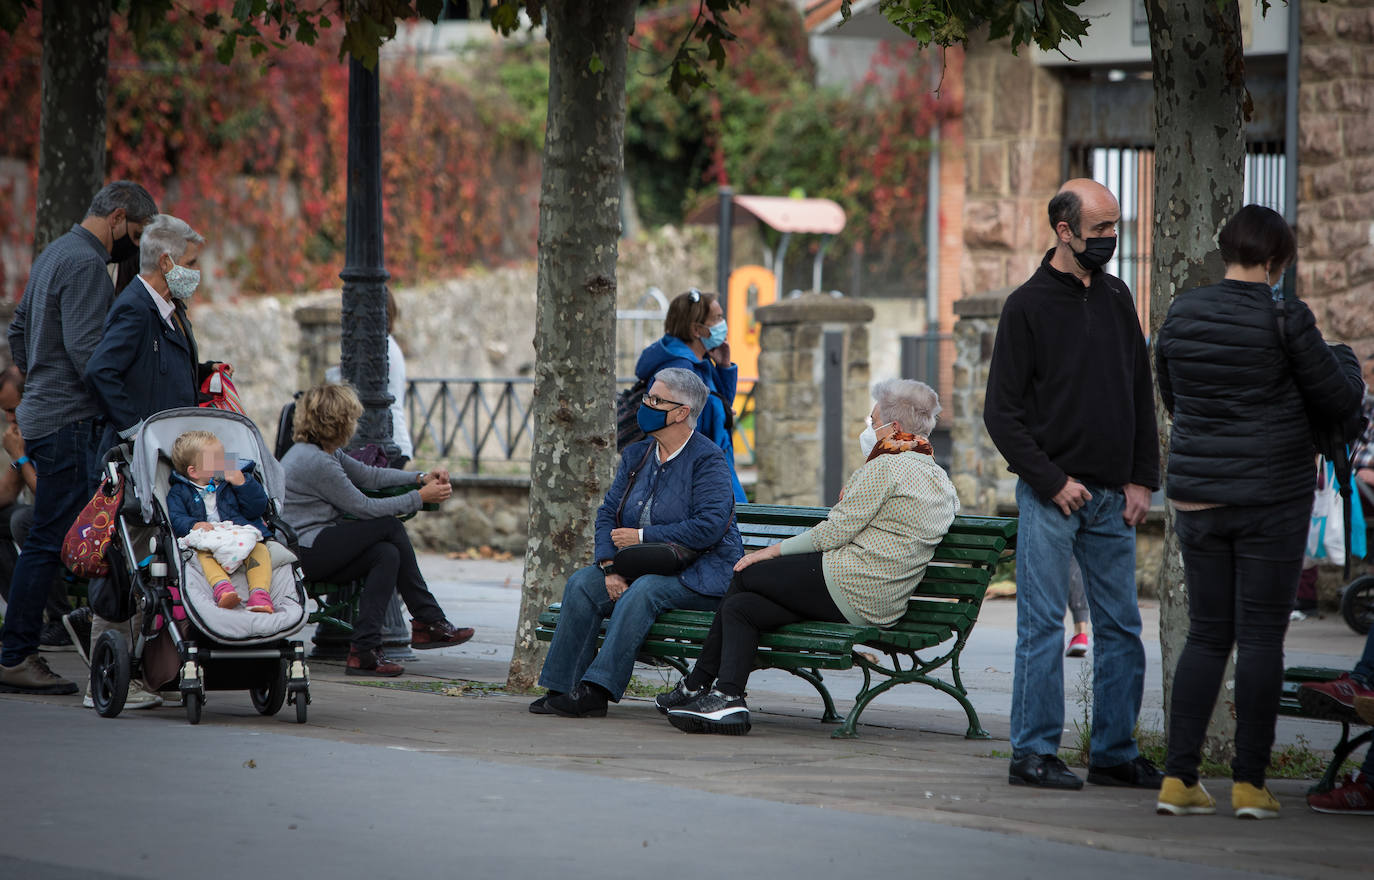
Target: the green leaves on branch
(1044, 23)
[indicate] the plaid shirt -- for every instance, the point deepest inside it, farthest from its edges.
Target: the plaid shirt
(56, 327)
(1363, 456)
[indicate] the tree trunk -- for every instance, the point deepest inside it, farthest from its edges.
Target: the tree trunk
(579, 229)
(71, 154)
(1200, 101)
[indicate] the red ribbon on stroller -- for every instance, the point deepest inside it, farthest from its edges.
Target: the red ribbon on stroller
(223, 394)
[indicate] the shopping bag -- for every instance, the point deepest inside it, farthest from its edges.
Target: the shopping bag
(87, 541)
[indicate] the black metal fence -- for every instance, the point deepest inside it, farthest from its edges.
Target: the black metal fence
(485, 425)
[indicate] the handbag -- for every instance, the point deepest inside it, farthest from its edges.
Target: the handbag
(220, 388)
(654, 557)
(87, 543)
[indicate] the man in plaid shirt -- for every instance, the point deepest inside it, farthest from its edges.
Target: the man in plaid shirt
(55, 330)
(1363, 458)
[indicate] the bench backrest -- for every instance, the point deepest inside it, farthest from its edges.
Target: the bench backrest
(955, 581)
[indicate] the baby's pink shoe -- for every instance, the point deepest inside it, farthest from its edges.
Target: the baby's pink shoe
(258, 600)
(225, 596)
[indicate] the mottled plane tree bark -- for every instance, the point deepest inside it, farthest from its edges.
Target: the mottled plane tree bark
(1200, 108)
(574, 335)
(71, 161)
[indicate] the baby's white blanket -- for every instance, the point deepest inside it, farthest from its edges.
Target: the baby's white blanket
(228, 542)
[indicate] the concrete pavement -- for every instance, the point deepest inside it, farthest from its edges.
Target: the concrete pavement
(424, 776)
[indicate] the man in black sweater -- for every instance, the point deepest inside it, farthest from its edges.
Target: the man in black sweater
(1070, 405)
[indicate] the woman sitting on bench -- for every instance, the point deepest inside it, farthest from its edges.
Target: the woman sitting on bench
(859, 566)
(674, 487)
(345, 535)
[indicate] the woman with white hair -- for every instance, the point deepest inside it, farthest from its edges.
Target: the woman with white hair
(860, 566)
(673, 487)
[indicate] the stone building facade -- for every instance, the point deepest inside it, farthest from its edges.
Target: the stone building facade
(1336, 169)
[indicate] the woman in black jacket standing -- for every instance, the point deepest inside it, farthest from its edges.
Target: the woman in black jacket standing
(1241, 477)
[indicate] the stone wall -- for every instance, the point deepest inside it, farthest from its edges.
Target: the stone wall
(478, 325)
(978, 470)
(1336, 169)
(1013, 120)
(789, 427)
(483, 512)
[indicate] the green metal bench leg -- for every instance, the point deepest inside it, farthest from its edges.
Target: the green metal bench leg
(1338, 756)
(848, 730)
(814, 677)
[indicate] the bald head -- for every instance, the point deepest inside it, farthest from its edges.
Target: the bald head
(1083, 196)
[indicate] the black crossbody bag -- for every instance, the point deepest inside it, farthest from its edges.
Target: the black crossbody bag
(654, 557)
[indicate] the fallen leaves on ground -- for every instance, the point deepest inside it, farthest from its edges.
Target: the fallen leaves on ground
(483, 552)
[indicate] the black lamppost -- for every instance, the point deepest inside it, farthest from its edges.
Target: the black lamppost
(364, 318)
(364, 274)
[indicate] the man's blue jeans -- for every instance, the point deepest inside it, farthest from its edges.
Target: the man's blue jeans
(65, 462)
(1104, 546)
(573, 656)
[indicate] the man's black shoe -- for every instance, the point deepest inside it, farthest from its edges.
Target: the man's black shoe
(78, 626)
(678, 696)
(583, 701)
(712, 712)
(1135, 773)
(1043, 771)
(541, 705)
(54, 638)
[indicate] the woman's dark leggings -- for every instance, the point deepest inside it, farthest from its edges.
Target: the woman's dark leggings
(1241, 565)
(379, 552)
(763, 596)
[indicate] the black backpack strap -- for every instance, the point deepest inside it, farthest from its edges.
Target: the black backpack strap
(630, 482)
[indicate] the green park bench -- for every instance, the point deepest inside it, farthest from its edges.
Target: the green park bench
(938, 619)
(1289, 704)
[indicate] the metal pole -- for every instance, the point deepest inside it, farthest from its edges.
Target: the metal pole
(1290, 133)
(724, 233)
(832, 408)
(363, 343)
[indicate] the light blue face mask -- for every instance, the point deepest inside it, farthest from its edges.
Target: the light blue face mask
(717, 337)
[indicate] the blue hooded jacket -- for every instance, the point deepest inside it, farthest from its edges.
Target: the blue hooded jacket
(673, 352)
(692, 506)
(243, 505)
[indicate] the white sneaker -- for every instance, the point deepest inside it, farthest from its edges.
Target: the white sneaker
(138, 698)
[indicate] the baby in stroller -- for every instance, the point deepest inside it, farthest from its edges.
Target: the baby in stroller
(217, 511)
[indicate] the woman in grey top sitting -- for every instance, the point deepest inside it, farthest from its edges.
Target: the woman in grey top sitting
(345, 535)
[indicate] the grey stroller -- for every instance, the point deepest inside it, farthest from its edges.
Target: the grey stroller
(185, 640)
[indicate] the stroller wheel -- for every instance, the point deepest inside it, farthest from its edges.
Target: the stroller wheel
(302, 701)
(1357, 604)
(268, 699)
(193, 701)
(109, 674)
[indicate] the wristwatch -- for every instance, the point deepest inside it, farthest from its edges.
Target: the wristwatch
(608, 568)
(20, 462)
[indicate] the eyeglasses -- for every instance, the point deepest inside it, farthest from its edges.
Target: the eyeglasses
(654, 400)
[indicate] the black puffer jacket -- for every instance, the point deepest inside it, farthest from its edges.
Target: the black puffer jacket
(1240, 401)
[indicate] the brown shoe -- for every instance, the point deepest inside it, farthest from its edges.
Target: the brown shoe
(439, 634)
(371, 661)
(32, 676)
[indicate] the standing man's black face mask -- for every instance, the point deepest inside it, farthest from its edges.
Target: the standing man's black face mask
(123, 249)
(1097, 253)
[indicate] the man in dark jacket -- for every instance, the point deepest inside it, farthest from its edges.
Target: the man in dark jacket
(55, 330)
(146, 359)
(1070, 405)
(673, 487)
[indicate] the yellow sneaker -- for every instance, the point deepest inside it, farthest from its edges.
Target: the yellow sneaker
(1253, 803)
(1177, 799)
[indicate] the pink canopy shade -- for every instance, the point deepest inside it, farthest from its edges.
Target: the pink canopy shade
(807, 216)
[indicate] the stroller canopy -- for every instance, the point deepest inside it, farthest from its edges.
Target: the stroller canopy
(237, 432)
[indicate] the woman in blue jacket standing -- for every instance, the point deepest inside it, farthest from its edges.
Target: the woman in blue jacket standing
(694, 339)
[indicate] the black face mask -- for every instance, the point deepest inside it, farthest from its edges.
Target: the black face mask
(1097, 252)
(123, 249)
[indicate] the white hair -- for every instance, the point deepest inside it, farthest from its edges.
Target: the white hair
(911, 404)
(165, 235)
(686, 387)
